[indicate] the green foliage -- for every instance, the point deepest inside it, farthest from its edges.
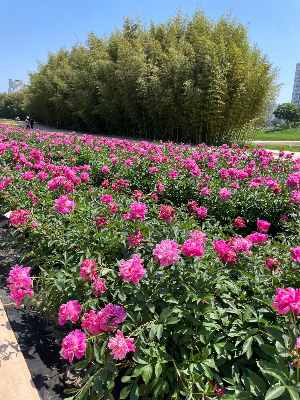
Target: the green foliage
(12, 105)
(191, 80)
(288, 112)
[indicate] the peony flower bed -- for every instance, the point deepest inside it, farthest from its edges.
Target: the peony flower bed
(176, 268)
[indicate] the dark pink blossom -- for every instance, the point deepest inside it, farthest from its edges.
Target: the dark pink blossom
(69, 312)
(263, 226)
(132, 269)
(64, 204)
(87, 271)
(73, 344)
(287, 300)
(19, 217)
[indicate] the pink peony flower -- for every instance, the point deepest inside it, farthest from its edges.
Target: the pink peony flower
(42, 176)
(84, 177)
(19, 217)
(201, 212)
(132, 270)
(107, 198)
(64, 204)
(153, 170)
(204, 191)
(296, 255)
(73, 344)
(192, 247)
(166, 252)
(20, 283)
(98, 285)
(198, 235)
(159, 188)
(225, 193)
(173, 174)
(137, 210)
(241, 244)
(166, 213)
(239, 223)
(100, 222)
(35, 200)
(105, 169)
(222, 247)
(263, 226)
(97, 323)
(69, 312)
(87, 271)
(28, 176)
(30, 193)
(120, 346)
(257, 237)
(138, 194)
(287, 299)
(134, 240)
(33, 224)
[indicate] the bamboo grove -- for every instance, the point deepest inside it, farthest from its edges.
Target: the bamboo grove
(187, 80)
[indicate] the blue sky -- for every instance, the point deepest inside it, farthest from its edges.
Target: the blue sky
(28, 29)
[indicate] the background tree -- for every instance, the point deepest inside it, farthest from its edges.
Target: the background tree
(12, 105)
(288, 112)
(190, 80)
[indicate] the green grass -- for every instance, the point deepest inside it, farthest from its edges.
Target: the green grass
(287, 148)
(276, 134)
(9, 122)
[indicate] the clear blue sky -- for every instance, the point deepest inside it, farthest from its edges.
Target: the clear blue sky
(28, 29)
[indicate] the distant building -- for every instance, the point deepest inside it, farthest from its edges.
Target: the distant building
(296, 88)
(15, 86)
(271, 110)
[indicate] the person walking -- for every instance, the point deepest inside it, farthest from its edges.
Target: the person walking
(27, 121)
(31, 123)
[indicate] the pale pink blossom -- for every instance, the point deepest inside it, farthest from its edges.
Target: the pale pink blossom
(120, 346)
(132, 270)
(69, 312)
(204, 191)
(166, 252)
(198, 235)
(73, 344)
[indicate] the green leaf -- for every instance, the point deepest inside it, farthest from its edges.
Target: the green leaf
(247, 344)
(140, 360)
(73, 390)
(166, 312)
(125, 392)
(258, 382)
(134, 394)
(159, 331)
(274, 392)
(98, 386)
(173, 320)
(102, 374)
(81, 364)
(152, 332)
(158, 369)
(276, 333)
(89, 351)
(293, 338)
(267, 368)
(111, 366)
(147, 373)
(268, 349)
(97, 353)
(293, 393)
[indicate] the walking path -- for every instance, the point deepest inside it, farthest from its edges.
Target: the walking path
(15, 378)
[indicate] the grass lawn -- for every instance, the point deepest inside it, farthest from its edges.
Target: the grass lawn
(9, 122)
(287, 148)
(276, 134)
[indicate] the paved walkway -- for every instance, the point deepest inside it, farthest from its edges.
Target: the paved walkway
(15, 378)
